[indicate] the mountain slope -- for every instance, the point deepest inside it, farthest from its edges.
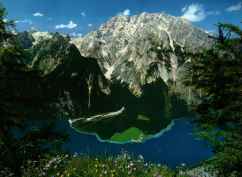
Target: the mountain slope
(140, 49)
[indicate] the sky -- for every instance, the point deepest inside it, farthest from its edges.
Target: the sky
(78, 17)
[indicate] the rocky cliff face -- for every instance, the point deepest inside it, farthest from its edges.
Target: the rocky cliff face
(141, 49)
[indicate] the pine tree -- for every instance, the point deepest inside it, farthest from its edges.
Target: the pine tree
(19, 88)
(217, 73)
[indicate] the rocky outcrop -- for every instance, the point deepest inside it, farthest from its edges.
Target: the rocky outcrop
(29, 38)
(141, 49)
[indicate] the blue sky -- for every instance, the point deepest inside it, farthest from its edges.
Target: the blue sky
(78, 17)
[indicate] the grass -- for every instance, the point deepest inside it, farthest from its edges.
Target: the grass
(131, 134)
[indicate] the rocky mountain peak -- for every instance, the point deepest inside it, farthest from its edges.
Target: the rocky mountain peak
(140, 49)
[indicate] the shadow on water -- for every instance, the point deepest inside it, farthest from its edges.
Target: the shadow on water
(150, 112)
(174, 147)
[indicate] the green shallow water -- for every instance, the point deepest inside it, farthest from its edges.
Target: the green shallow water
(131, 135)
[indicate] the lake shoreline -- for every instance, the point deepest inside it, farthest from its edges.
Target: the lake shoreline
(149, 137)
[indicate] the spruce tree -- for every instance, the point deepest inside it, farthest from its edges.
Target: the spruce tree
(19, 96)
(217, 73)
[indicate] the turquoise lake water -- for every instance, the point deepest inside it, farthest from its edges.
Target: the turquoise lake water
(173, 147)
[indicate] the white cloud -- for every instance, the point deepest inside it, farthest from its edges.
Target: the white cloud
(126, 12)
(235, 7)
(90, 25)
(211, 32)
(70, 25)
(26, 21)
(194, 13)
(184, 8)
(33, 28)
(38, 14)
(83, 14)
(74, 34)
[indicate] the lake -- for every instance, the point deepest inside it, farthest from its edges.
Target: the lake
(172, 147)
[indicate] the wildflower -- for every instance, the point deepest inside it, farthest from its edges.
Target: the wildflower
(183, 164)
(75, 154)
(141, 157)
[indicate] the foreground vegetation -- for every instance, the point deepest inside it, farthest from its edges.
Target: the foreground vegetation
(122, 165)
(215, 72)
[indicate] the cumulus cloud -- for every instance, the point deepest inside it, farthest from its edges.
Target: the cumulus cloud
(33, 28)
(74, 34)
(235, 7)
(90, 25)
(26, 21)
(83, 14)
(194, 12)
(211, 32)
(126, 12)
(38, 14)
(70, 25)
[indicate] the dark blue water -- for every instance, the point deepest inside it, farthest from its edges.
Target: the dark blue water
(173, 148)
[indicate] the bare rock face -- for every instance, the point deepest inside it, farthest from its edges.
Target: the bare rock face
(141, 49)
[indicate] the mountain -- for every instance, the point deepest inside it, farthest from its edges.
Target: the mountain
(135, 63)
(138, 50)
